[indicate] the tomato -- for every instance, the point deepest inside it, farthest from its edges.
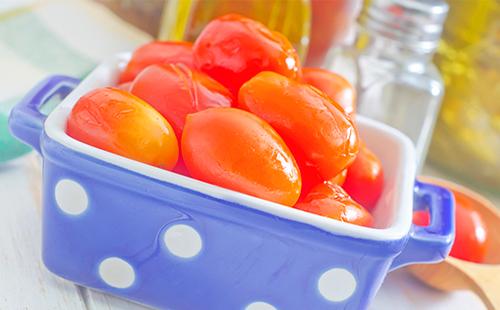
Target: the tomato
(157, 52)
(333, 85)
(471, 232)
(421, 218)
(117, 121)
(330, 200)
(232, 49)
(471, 236)
(365, 178)
(313, 126)
(237, 150)
(311, 177)
(181, 168)
(176, 91)
(339, 179)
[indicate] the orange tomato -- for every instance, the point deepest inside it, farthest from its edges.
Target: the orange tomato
(237, 150)
(333, 85)
(365, 178)
(311, 177)
(339, 179)
(232, 49)
(176, 91)
(117, 121)
(312, 125)
(330, 200)
(157, 52)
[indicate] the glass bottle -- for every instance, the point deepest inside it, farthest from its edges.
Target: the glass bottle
(184, 19)
(312, 26)
(390, 63)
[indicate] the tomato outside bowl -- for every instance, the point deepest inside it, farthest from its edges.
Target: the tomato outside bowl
(489, 214)
(168, 241)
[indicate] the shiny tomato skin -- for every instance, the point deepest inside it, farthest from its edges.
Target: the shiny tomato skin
(334, 86)
(312, 125)
(232, 49)
(330, 200)
(237, 150)
(175, 91)
(365, 179)
(118, 122)
(471, 232)
(157, 52)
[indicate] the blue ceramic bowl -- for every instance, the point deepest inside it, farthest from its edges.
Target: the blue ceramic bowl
(169, 241)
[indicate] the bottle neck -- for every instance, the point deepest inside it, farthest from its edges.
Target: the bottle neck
(403, 54)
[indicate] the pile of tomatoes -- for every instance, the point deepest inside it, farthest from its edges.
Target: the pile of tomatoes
(237, 110)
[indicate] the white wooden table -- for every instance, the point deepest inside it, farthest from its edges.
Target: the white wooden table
(26, 284)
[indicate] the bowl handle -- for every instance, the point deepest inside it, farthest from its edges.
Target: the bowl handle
(26, 120)
(430, 244)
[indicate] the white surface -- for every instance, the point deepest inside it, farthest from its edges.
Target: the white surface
(183, 241)
(26, 284)
(337, 284)
(393, 148)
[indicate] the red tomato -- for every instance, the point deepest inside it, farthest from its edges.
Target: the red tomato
(181, 168)
(156, 53)
(365, 178)
(330, 200)
(471, 235)
(471, 232)
(312, 125)
(232, 49)
(117, 121)
(176, 91)
(333, 85)
(237, 150)
(421, 218)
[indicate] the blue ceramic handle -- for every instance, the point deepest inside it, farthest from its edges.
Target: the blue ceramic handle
(26, 119)
(431, 243)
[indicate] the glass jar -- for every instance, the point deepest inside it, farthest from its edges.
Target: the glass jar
(391, 65)
(466, 143)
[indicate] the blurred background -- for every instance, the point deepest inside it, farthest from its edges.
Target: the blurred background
(428, 68)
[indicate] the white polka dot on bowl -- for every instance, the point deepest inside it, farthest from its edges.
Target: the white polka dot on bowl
(337, 284)
(260, 305)
(116, 272)
(71, 197)
(183, 241)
